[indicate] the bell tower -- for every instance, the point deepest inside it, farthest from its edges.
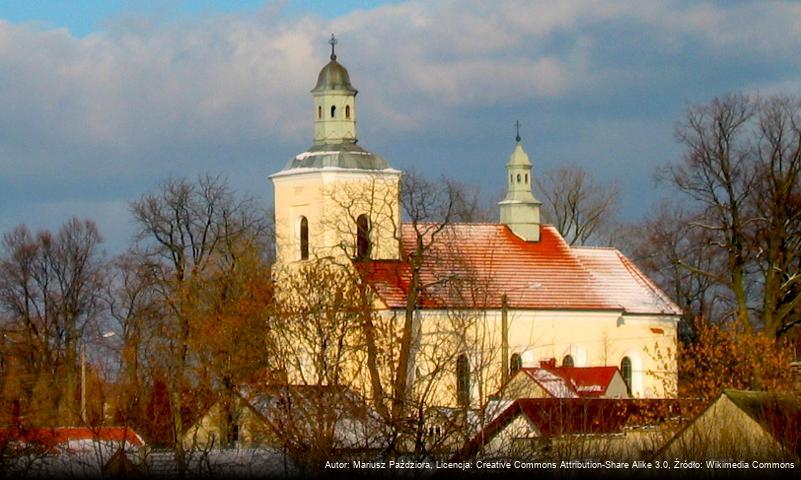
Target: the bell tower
(520, 211)
(334, 103)
(336, 199)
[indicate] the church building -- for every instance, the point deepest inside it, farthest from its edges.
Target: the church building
(521, 294)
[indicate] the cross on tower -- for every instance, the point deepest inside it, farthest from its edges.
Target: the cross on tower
(517, 127)
(333, 42)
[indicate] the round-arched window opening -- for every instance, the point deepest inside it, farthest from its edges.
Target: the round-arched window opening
(516, 363)
(527, 178)
(625, 370)
(518, 178)
(463, 380)
(333, 111)
(319, 112)
(347, 111)
(568, 361)
(363, 237)
(304, 238)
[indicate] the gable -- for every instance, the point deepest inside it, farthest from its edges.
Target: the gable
(522, 385)
(723, 430)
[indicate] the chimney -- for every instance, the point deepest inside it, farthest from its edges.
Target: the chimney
(548, 363)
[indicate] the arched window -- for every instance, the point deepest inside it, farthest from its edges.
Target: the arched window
(463, 380)
(362, 237)
(625, 370)
(518, 178)
(568, 361)
(347, 111)
(527, 179)
(516, 363)
(511, 179)
(304, 238)
(333, 110)
(319, 111)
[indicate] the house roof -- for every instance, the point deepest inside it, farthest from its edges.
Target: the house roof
(571, 382)
(779, 413)
(50, 437)
(349, 156)
(308, 410)
(474, 265)
(304, 397)
(561, 416)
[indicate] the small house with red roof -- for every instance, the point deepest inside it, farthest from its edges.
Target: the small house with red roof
(71, 451)
(499, 296)
(575, 429)
(550, 381)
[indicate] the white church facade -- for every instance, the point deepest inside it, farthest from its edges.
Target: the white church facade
(516, 291)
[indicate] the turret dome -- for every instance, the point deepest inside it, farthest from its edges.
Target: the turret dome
(333, 76)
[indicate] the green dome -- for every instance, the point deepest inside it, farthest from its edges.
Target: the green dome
(333, 77)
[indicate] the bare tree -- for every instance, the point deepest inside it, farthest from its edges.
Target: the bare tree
(394, 344)
(717, 173)
(663, 241)
(742, 174)
(50, 288)
(583, 210)
(186, 232)
(777, 202)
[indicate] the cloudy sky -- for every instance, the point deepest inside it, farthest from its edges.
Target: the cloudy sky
(100, 100)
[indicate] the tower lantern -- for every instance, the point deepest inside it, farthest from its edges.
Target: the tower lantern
(334, 103)
(520, 211)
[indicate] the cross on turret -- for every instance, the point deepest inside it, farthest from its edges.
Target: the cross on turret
(333, 42)
(517, 127)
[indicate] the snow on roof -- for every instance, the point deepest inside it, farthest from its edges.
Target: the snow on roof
(474, 265)
(624, 282)
(64, 435)
(556, 385)
(569, 382)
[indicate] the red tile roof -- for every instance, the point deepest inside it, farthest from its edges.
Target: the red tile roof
(560, 416)
(473, 265)
(623, 282)
(571, 382)
(50, 437)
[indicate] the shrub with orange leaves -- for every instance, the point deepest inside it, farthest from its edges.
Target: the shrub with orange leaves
(726, 356)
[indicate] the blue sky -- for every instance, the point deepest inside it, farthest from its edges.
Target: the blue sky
(102, 100)
(82, 17)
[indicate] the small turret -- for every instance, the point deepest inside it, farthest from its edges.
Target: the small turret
(334, 104)
(520, 210)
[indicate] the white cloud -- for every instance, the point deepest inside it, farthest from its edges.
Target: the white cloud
(145, 97)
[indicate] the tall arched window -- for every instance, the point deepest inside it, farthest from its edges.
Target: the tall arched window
(333, 110)
(463, 380)
(568, 361)
(362, 237)
(518, 178)
(516, 363)
(319, 111)
(347, 111)
(304, 238)
(625, 370)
